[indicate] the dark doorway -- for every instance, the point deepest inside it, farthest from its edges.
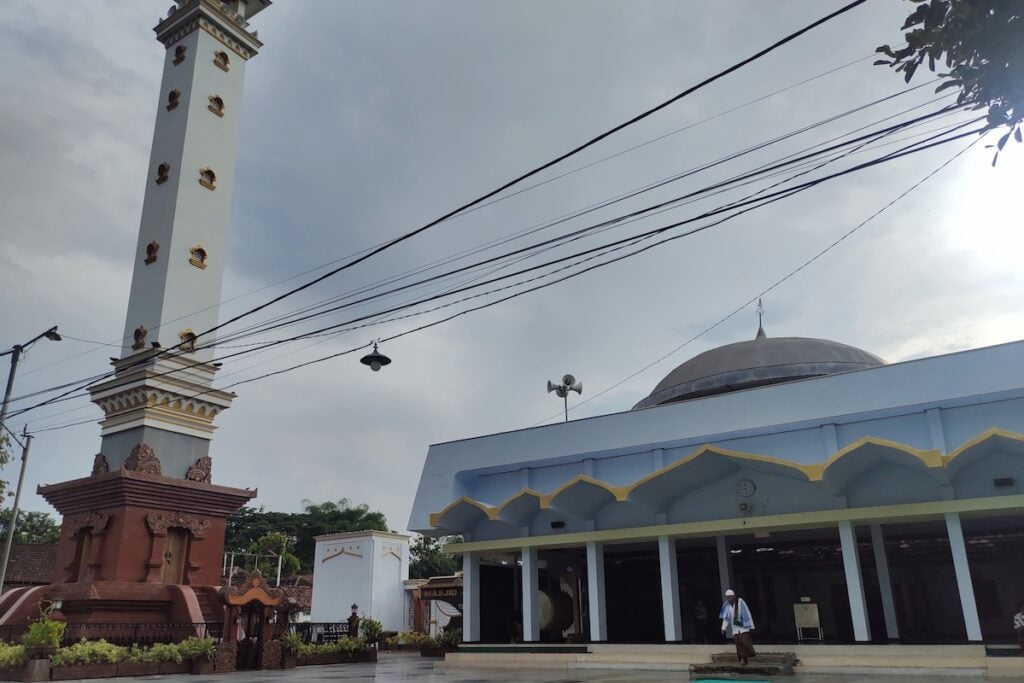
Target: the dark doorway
(250, 643)
(633, 594)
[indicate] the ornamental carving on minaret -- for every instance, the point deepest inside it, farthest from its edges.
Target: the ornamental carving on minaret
(188, 340)
(201, 470)
(97, 521)
(198, 256)
(216, 105)
(100, 464)
(162, 173)
(151, 249)
(143, 459)
(221, 60)
(160, 522)
(179, 54)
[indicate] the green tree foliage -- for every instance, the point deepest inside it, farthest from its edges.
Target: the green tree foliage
(981, 44)
(249, 524)
(32, 527)
(268, 548)
(426, 558)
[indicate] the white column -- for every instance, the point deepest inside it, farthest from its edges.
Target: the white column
(595, 592)
(670, 589)
(963, 576)
(471, 598)
(884, 582)
(724, 568)
(531, 617)
(854, 583)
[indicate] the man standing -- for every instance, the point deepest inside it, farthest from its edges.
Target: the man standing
(737, 622)
(1018, 625)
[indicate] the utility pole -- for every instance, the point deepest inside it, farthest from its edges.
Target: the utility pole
(17, 500)
(16, 352)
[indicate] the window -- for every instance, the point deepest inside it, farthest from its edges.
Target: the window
(221, 61)
(83, 555)
(179, 54)
(172, 99)
(198, 258)
(207, 178)
(151, 249)
(188, 340)
(162, 172)
(216, 105)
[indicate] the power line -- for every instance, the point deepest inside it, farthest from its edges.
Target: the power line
(394, 309)
(835, 243)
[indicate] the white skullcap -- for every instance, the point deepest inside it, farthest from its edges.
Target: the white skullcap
(730, 592)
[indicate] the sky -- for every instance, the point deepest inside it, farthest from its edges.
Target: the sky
(364, 120)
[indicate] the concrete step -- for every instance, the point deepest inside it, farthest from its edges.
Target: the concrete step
(781, 658)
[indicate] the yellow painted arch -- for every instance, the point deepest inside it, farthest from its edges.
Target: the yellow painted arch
(931, 458)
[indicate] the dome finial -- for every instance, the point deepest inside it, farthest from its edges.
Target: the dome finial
(760, 316)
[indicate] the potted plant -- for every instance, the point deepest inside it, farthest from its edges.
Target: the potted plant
(199, 653)
(43, 636)
(290, 644)
(12, 661)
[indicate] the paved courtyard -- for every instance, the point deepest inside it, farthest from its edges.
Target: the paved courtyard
(402, 668)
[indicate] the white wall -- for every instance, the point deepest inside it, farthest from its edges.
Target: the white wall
(362, 568)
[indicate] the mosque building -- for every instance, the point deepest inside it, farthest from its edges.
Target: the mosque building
(866, 501)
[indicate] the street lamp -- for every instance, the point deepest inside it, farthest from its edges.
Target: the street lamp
(562, 390)
(16, 352)
(375, 360)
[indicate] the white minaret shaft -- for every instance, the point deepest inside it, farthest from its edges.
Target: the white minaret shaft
(160, 403)
(183, 236)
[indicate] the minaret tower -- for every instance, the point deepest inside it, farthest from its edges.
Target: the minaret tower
(161, 395)
(142, 536)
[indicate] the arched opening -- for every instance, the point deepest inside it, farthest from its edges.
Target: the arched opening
(207, 178)
(198, 257)
(221, 61)
(163, 173)
(179, 54)
(216, 105)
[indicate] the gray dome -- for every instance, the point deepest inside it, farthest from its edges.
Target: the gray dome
(763, 361)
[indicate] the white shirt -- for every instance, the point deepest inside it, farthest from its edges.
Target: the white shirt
(727, 621)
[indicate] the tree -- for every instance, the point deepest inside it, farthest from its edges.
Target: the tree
(267, 550)
(428, 560)
(982, 43)
(250, 524)
(33, 527)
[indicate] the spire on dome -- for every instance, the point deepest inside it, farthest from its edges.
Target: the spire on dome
(760, 327)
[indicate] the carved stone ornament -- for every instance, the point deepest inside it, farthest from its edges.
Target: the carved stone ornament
(201, 470)
(100, 464)
(160, 522)
(254, 588)
(226, 657)
(97, 521)
(143, 459)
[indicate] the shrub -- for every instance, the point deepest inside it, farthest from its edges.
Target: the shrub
(450, 637)
(197, 648)
(291, 643)
(371, 629)
(12, 656)
(44, 632)
(162, 652)
(90, 652)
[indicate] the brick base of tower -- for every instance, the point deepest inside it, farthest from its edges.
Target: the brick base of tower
(134, 548)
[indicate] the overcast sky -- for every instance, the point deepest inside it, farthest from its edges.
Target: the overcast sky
(364, 120)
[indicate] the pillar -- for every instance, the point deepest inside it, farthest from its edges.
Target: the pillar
(531, 617)
(884, 581)
(854, 582)
(595, 592)
(471, 598)
(724, 568)
(963, 576)
(670, 589)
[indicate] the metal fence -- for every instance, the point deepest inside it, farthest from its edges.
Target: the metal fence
(311, 632)
(127, 634)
